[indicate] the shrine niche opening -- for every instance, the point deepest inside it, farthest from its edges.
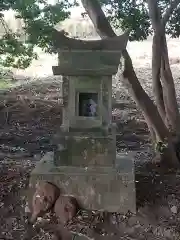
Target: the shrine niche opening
(87, 104)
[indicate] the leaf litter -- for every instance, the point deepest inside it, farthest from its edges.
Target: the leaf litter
(30, 115)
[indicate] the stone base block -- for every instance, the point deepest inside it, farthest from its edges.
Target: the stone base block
(98, 188)
(82, 149)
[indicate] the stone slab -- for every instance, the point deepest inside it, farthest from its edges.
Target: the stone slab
(86, 150)
(97, 188)
(67, 71)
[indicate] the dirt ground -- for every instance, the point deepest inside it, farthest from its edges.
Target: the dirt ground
(30, 115)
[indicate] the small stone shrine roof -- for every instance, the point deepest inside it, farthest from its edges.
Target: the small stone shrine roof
(83, 57)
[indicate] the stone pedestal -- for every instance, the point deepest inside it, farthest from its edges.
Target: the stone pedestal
(97, 188)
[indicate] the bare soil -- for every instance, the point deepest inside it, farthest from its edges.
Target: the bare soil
(30, 115)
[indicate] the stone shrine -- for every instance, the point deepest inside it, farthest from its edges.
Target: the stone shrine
(84, 163)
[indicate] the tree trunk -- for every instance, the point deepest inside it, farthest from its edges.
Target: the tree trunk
(156, 82)
(143, 101)
(164, 89)
(154, 15)
(169, 93)
(161, 66)
(151, 114)
(141, 98)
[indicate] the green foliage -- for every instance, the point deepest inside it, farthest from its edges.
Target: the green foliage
(161, 146)
(5, 78)
(39, 18)
(173, 26)
(4, 84)
(133, 15)
(15, 53)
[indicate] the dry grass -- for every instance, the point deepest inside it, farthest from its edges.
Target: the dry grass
(141, 52)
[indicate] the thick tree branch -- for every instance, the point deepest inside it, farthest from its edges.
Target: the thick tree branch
(156, 67)
(170, 99)
(169, 11)
(154, 15)
(160, 60)
(98, 18)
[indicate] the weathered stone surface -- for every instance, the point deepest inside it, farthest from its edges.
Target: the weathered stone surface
(103, 188)
(78, 57)
(61, 41)
(72, 86)
(65, 208)
(65, 91)
(66, 71)
(86, 149)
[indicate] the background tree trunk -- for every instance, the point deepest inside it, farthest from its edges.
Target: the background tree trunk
(161, 67)
(156, 82)
(169, 93)
(141, 98)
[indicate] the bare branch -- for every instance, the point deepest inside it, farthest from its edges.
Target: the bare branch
(98, 18)
(169, 11)
(5, 25)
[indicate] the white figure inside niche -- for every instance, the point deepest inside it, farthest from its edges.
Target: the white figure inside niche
(93, 107)
(87, 104)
